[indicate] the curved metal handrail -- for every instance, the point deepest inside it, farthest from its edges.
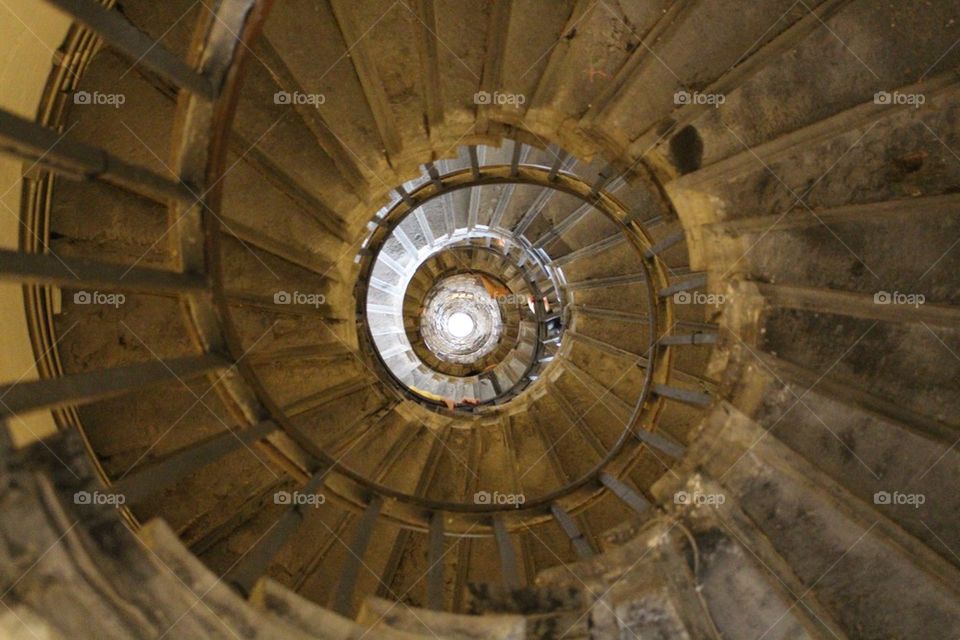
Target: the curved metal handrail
(367, 342)
(221, 49)
(412, 510)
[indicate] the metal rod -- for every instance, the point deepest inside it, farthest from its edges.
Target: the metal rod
(630, 497)
(435, 563)
(137, 45)
(686, 396)
(563, 226)
(603, 179)
(666, 243)
(580, 544)
(45, 147)
(255, 563)
(508, 555)
(84, 388)
(690, 338)
(557, 165)
(515, 158)
(611, 281)
(151, 479)
(405, 196)
(613, 314)
(531, 214)
(474, 161)
(328, 395)
(434, 175)
(591, 250)
(325, 351)
(358, 547)
(77, 273)
(661, 443)
(696, 282)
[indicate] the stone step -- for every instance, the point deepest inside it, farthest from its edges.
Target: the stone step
(827, 535)
(852, 439)
(664, 75)
(378, 614)
(549, 612)
(893, 48)
(736, 564)
(356, 117)
(308, 618)
(839, 154)
(232, 613)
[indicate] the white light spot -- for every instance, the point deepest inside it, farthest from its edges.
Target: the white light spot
(460, 324)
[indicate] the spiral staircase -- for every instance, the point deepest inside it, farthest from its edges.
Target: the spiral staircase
(508, 319)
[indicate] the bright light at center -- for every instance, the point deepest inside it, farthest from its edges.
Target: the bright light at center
(460, 324)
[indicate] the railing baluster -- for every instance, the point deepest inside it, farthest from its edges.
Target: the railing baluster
(245, 573)
(690, 338)
(508, 555)
(147, 481)
(138, 46)
(610, 281)
(630, 497)
(434, 175)
(557, 165)
(536, 208)
(686, 396)
(613, 314)
(37, 144)
(605, 177)
(563, 226)
(358, 547)
(515, 158)
(663, 245)
(83, 388)
(405, 196)
(580, 544)
(435, 563)
(591, 250)
(76, 273)
(474, 161)
(695, 282)
(660, 443)
(323, 351)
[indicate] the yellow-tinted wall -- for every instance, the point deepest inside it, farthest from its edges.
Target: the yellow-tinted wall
(30, 32)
